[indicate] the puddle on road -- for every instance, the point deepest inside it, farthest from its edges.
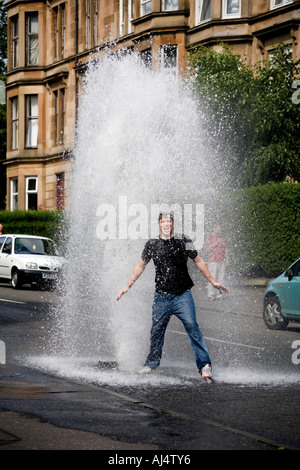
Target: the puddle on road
(106, 372)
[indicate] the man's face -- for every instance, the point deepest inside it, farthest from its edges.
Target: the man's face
(166, 226)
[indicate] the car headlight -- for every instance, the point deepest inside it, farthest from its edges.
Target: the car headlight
(31, 266)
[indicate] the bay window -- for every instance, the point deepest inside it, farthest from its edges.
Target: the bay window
(32, 41)
(169, 5)
(203, 11)
(279, 3)
(14, 41)
(14, 124)
(59, 117)
(31, 192)
(145, 7)
(31, 121)
(169, 58)
(91, 11)
(59, 31)
(14, 194)
(231, 8)
(146, 58)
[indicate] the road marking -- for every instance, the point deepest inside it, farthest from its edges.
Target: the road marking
(13, 301)
(223, 341)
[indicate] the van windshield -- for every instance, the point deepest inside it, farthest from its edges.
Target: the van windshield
(35, 246)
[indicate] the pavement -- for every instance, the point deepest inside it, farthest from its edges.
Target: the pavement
(30, 400)
(24, 432)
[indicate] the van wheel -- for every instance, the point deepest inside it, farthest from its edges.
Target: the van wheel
(16, 279)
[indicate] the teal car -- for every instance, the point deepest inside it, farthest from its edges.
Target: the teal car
(281, 303)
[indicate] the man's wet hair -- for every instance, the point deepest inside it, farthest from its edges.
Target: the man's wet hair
(170, 215)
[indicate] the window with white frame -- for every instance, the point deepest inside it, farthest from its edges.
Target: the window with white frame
(56, 33)
(32, 39)
(169, 5)
(279, 3)
(145, 7)
(91, 10)
(288, 51)
(203, 11)
(231, 8)
(95, 23)
(59, 116)
(32, 121)
(31, 192)
(88, 23)
(14, 194)
(146, 58)
(126, 15)
(63, 29)
(14, 124)
(59, 31)
(14, 41)
(130, 15)
(121, 18)
(169, 58)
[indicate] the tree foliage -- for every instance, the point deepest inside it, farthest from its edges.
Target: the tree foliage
(250, 113)
(262, 226)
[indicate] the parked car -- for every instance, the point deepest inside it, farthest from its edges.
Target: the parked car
(282, 299)
(27, 259)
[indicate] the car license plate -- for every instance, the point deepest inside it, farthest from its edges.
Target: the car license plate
(50, 276)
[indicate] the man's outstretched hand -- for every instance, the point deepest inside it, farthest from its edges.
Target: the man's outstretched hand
(122, 291)
(221, 288)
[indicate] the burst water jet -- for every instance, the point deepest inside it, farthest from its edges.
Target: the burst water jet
(139, 137)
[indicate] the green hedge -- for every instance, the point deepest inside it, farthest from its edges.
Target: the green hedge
(262, 224)
(50, 224)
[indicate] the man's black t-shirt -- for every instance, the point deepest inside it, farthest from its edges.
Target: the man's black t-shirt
(170, 261)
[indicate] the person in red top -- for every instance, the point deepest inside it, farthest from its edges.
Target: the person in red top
(217, 258)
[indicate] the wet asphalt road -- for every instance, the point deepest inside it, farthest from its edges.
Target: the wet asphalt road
(253, 404)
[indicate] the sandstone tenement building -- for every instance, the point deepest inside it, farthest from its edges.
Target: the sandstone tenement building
(49, 42)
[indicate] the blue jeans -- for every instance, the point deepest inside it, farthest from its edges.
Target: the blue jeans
(183, 307)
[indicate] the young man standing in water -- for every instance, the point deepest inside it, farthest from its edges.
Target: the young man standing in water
(173, 292)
